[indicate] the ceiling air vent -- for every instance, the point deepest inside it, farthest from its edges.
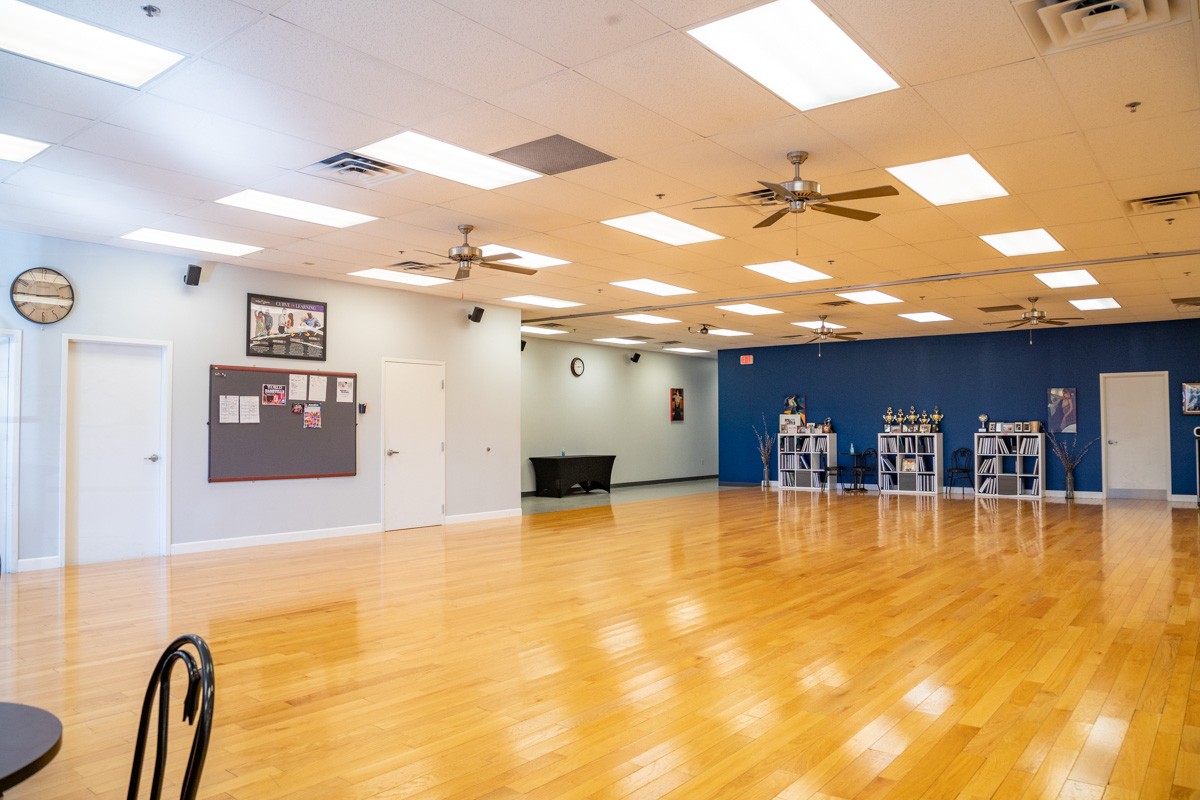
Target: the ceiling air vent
(670, 343)
(1056, 26)
(837, 303)
(415, 266)
(1165, 202)
(1001, 309)
(355, 170)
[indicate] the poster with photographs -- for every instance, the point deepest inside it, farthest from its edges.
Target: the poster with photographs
(282, 327)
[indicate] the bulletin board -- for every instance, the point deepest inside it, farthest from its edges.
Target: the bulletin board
(275, 424)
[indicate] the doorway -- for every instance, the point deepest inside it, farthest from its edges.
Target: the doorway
(116, 457)
(1135, 435)
(414, 444)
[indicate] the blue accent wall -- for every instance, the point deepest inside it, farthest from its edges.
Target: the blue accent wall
(999, 374)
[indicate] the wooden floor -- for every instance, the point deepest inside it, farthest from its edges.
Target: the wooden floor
(737, 644)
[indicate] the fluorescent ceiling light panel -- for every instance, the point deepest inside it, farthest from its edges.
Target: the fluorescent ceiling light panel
(945, 181)
(1023, 243)
(870, 298)
(530, 260)
(652, 287)
(14, 148)
(302, 210)
(749, 309)
(538, 300)
(683, 350)
(926, 316)
(186, 242)
(796, 51)
(788, 271)
(64, 42)
(649, 319)
(412, 150)
(662, 228)
(615, 340)
(726, 332)
(541, 331)
(816, 323)
(411, 279)
(1066, 278)
(1095, 304)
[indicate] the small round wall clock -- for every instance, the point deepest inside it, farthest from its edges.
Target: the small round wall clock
(42, 295)
(576, 366)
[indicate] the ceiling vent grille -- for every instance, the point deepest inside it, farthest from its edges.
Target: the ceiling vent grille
(1165, 202)
(416, 266)
(837, 303)
(670, 343)
(355, 170)
(1064, 25)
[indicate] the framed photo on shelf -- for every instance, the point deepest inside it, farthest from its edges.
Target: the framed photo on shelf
(908, 464)
(991, 427)
(1191, 398)
(926, 428)
(283, 327)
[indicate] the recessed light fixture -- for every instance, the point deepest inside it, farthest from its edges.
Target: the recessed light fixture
(726, 332)
(541, 331)
(787, 271)
(762, 43)
(15, 148)
(411, 149)
(816, 324)
(649, 319)
(538, 300)
(186, 242)
(749, 309)
(945, 181)
(616, 340)
(1023, 243)
(652, 287)
(683, 350)
(870, 297)
(662, 228)
(531, 260)
(294, 209)
(1065, 279)
(1095, 304)
(926, 316)
(410, 278)
(64, 42)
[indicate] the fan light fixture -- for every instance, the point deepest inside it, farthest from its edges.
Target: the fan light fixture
(1023, 243)
(945, 181)
(649, 319)
(652, 287)
(380, 274)
(15, 148)
(787, 271)
(1095, 304)
(662, 228)
(411, 149)
(870, 298)
(187, 242)
(302, 210)
(538, 300)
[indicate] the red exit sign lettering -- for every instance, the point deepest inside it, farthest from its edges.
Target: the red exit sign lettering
(747, 360)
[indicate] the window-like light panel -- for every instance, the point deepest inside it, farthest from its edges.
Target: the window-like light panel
(662, 228)
(45, 36)
(415, 151)
(945, 181)
(763, 41)
(787, 271)
(649, 319)
(409, 278)
(616, 340)
(726, 332)
(1066, 278)
(926, 316)
(14, 148)
(749, 309)
(1023, 243)
(538, 300)
(541, 331)
(302, 210)
(527, 259)
(186, 242)
(683, 350)
(816, 323)
(1095, 304)
(652, 287)
(870, 298)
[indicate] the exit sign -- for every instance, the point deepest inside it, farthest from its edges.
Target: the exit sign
(747, 360)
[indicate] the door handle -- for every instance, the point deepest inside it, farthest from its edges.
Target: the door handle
(153, 457)
(393, 452)
(1110, 441)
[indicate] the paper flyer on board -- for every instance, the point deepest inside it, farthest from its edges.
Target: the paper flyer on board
(316, 388)
(297, 387)
(345, 390)
(228, 409)
(248, 408)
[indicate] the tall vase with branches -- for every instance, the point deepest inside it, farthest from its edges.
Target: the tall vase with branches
(1070, 454)
(766, 445)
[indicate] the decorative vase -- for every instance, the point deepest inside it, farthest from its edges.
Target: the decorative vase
(766, 477)
(1070, 493)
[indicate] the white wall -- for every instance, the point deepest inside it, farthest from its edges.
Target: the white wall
(617, 407)
(139, 295)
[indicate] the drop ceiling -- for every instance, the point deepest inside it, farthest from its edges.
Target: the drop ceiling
(267, 89)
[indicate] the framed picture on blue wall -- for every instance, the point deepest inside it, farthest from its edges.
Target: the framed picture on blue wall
(1191, 398)
(1061, 411)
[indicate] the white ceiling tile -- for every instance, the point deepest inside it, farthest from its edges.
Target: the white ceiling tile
(99, 191)
(491, 205)
(687, 13)
(1101, 233)
(896, 127)
(34, 122)
(1074, 204)
(637, 184)
(483, 128)
(997, 215)
(1148, 146)
(1175, 225)
(710, 168)
(314, 189)
(1184, 180)
(1048, 163)
(569, 196)
(183, 27)
(62, 90)
(921, 225)
(768, 145)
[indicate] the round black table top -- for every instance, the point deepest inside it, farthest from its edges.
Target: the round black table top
(30, 741)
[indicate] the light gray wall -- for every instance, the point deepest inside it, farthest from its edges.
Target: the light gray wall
(617, 407)
(140, 295)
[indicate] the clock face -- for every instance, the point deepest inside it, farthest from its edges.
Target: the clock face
(42, 295)
(576, 366)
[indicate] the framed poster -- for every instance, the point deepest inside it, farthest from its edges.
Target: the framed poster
(1191, 398)
(677, 405)
(1061, 411)
(283, 327)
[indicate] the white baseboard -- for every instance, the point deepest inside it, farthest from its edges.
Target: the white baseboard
(45, 562)
(272, 538)
(480, 516)
(1183, 498)
(1061, 494)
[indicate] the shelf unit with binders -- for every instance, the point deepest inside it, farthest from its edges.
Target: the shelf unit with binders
(1010, 465)
(910, 463)
(803, 456)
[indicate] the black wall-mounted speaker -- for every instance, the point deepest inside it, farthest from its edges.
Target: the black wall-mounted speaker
(636, 357)
(192, 277)
(523, 343)
(476, 315)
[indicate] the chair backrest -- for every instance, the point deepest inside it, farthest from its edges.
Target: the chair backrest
(962, 458)
(870, 459)
(197, 711)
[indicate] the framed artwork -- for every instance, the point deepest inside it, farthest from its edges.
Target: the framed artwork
(991, 427)
(1191, 398)
(1061, 411)
(926, 427)
(908, 464)
(677, 405)
(283, 327)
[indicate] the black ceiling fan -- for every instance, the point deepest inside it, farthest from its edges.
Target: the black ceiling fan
(798, 195)
(466, 255)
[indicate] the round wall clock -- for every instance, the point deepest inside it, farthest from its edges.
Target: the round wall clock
(576, 366)
(42, 295)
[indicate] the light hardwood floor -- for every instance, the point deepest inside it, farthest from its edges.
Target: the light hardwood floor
(736, 644)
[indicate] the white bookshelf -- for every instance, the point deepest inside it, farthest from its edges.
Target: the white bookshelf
(1010, 465)
(803, 456)
(910, 463)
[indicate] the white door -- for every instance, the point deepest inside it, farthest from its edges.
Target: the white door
(414, 439)
(115, 451)
(1135, 434)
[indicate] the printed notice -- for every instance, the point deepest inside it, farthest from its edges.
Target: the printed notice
(316, 388)
(345, 390)
(229, 409)
(297, 387)
(248, 408)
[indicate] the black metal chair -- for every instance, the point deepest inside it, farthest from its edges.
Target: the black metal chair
(833, 473)
(865, 467)
(197, 705)
(960, 467)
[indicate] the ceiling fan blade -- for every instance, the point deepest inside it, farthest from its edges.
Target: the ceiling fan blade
(1054, 318)
(771, 220)
(737, 205)
(863, 194)
(500, 257)
(756, 193)
(848, 335)
(1055, 322)
(417, 265)
(852, 213)
(1019, 324)
(507, 268)
(1007, 322)
(777, 189)
(464, 271)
